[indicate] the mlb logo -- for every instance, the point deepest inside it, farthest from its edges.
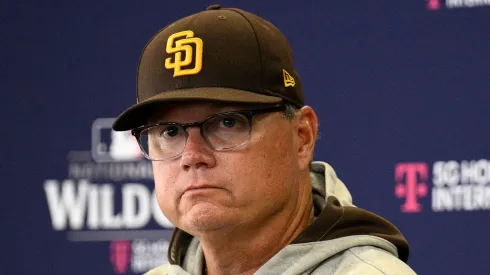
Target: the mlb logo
(112, 146)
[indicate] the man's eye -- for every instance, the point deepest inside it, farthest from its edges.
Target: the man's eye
(170, 132)
(227, 122)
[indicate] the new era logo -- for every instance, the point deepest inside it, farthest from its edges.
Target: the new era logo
(288, 79)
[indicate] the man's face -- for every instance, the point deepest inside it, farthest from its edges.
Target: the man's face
(205, 189)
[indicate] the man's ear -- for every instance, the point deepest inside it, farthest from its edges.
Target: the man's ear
(307, 131)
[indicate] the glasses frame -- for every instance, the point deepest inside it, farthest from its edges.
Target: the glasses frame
(249, 114)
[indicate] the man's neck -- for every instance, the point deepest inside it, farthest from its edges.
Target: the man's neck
(245, 252)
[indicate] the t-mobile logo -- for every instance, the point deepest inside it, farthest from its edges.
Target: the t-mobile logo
(433, 4)
(120, 255)
(411, 184)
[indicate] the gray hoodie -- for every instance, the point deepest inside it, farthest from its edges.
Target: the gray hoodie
(343, 239)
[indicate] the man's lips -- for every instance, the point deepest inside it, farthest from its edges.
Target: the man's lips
(200, 187)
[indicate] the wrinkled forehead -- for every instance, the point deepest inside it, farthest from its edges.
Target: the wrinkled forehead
(195, 110)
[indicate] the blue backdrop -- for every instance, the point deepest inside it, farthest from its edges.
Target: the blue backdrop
(401, 89)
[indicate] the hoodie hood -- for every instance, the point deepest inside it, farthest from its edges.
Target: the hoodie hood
(337, 220)
(337, 217)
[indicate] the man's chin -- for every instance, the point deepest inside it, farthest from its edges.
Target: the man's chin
(204, 217)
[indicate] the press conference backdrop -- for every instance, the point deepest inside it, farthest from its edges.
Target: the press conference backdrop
(401, 89)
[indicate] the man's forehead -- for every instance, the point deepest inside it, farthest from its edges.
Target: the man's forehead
(176, 110)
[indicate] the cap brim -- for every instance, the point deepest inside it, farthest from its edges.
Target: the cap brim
(138, 114)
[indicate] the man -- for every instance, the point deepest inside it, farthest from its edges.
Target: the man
(221, 115)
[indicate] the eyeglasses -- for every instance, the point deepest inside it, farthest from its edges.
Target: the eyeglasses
(221, 131)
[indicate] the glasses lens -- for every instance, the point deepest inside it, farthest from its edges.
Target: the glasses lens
(227, 131)
(162, 141)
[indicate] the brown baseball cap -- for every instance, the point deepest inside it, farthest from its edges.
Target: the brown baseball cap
(220, 54)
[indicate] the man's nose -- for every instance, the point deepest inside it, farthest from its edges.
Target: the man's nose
(197, 152)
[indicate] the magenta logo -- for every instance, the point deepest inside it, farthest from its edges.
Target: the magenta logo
(411, 184)
(433, 4)
(120, 252)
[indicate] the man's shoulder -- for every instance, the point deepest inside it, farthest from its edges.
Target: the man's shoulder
(167, 269)
(368, 260)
